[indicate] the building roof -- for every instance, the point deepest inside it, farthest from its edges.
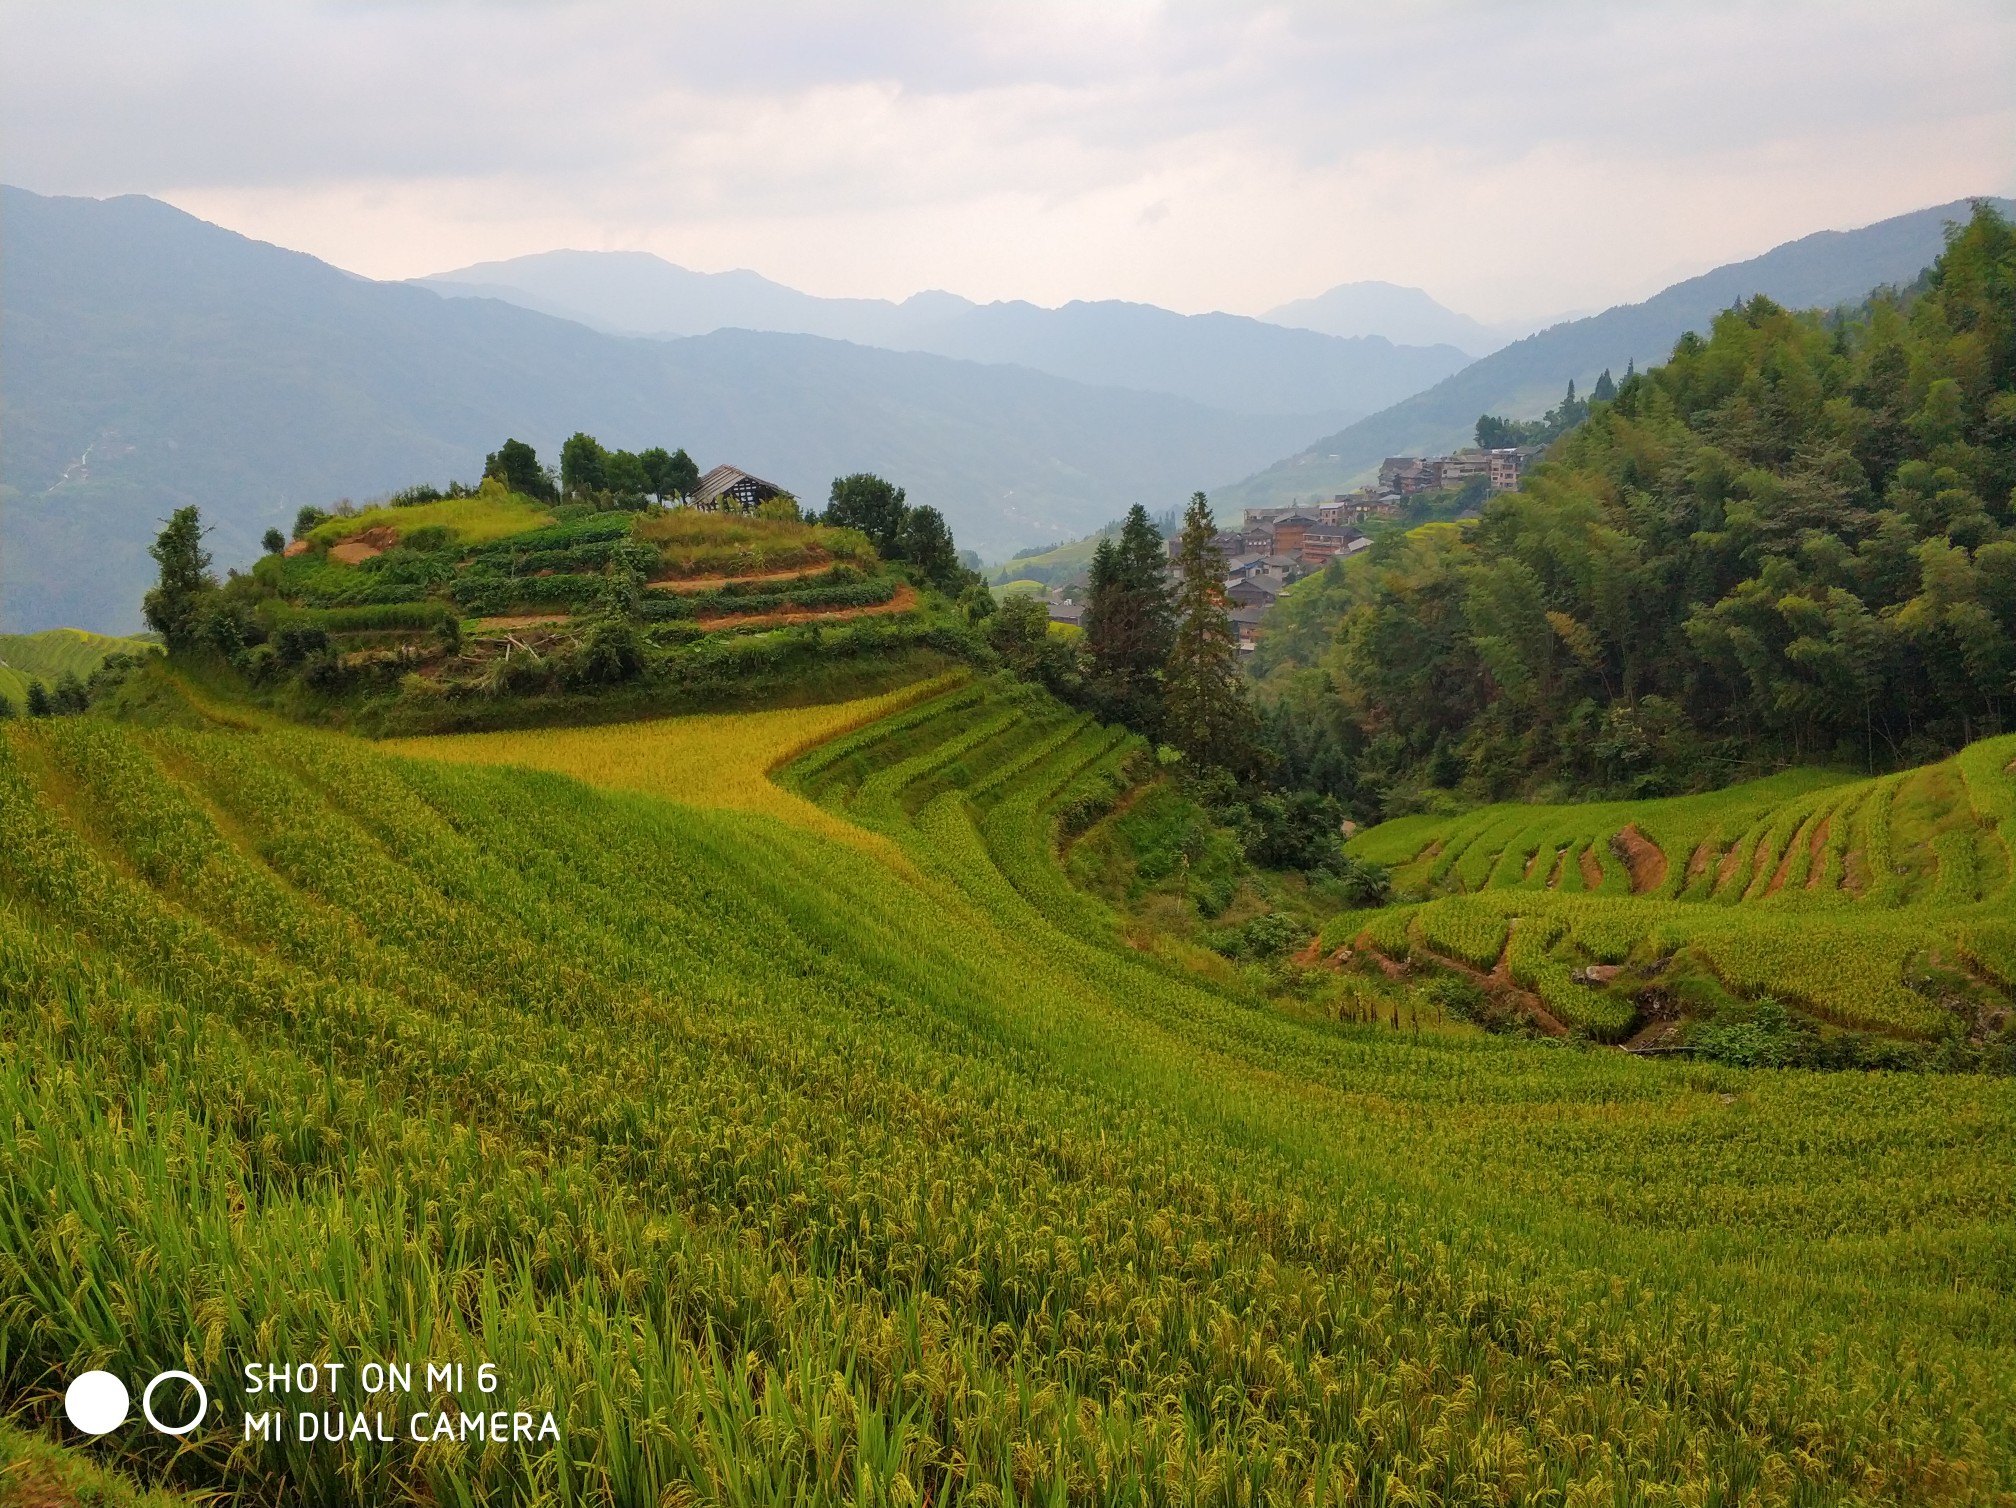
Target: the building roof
(1248, 615)
(732, 481)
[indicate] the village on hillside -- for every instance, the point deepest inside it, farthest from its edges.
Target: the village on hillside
(1275, 547)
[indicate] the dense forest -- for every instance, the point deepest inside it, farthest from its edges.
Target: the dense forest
(1796, 541)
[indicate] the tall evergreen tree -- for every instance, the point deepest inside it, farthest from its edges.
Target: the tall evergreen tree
(1207, 713)
(39, 704)
(1129, 621)
(1605, 389)
(170, 608)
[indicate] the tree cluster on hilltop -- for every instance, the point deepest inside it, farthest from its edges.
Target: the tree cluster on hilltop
(1794, 541)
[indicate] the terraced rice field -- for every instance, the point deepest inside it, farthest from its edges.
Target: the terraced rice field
(781, 1174)
(56, 652)
(1828, 893)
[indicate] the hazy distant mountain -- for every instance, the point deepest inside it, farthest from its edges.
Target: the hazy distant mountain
(1406, 316)
(1525, 378)
(148, 359)
(636, 293)
(1225, 360)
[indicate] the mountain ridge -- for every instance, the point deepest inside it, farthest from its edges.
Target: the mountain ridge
(1229, 361)
(1824, 269)
(153, 360)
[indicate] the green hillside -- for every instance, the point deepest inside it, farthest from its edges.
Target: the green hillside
(1523, 379)
(54, 653)
(786, 1163)
(1794, 543)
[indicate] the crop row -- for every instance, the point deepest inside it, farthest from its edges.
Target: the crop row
(784, 1174)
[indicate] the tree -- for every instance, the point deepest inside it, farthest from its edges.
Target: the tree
(6, 708)
(308, 520)
(672, 475)
(516, 465)
(867, 503)
(625, 475)
(38, 700)
(1129, 620)
(926, 543)
(273, 542)
(1605, 390)
(170, 608)
(582, 463)
(69, 696)
(1206, 711)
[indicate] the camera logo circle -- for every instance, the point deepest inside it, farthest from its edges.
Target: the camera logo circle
(96, 1403)
(147, 1403)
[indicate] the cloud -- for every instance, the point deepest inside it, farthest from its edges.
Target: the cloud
(1512, 159)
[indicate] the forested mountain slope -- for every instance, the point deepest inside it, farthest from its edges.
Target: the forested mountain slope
(787, 1169)
(151, 361)
(1822, 270)
(1794, 541)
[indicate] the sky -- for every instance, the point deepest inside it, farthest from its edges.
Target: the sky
(1517, 159)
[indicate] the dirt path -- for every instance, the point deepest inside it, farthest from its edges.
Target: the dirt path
(1643, 858)
(902, 602)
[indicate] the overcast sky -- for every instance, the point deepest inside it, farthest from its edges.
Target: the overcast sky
(1515, 159)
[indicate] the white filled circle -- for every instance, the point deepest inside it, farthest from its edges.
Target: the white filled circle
(96, 1403)
(147, 1403)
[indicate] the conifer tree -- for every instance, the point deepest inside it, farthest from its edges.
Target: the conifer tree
(1207, 714)
(1129, 621)
(38, 700)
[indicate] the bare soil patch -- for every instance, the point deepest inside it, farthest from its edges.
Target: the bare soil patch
(359, 548)
(1592, 868)
(1703, 857)
(1731, 861)
(1816, 870)
(1642, 857)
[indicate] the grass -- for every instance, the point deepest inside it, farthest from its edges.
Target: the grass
(695, 544)
(787, 1175)
(54, 652)
(1826, 892)
(484, 516)
(37, 1474)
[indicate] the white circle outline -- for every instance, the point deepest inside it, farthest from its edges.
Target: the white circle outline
(147, 1403)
